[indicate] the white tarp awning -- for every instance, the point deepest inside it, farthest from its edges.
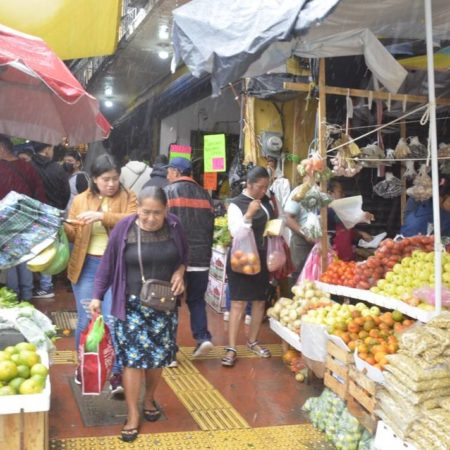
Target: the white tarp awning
(231, 39)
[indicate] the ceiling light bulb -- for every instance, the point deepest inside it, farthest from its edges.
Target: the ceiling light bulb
(108, 103)
(163, 54)
(108, 91)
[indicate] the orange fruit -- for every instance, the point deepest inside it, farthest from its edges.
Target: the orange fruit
(247, 269)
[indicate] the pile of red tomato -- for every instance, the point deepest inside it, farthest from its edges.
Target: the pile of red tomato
(366, 274)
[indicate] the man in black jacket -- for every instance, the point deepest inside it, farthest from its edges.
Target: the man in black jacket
(57, 190)
(158, 177)
(194, 207)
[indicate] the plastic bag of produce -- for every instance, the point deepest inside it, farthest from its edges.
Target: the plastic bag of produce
(349, 432)
(410, 367)
(366, 442)
(244, 253)
(276, 257)
(440, 321)
(310, 226)
(426, 294)
(416, 398)
(402, 417)
(336, 407)
(417, 386)
(96, 365)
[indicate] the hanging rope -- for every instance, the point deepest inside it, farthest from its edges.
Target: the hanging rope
(376, 130)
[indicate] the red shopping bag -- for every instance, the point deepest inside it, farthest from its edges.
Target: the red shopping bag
(95, 366)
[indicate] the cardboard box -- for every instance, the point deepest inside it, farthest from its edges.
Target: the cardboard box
(217, 267)
(215, 294)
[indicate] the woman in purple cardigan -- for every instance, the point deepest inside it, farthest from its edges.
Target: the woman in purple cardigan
(146, 338)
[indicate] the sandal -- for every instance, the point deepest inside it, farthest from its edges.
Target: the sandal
(129, 435)
(229, 360)
(152, 415)
(257, 349)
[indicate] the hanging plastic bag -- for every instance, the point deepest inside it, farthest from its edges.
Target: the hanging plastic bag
(422, 189)
(95, 365)
(390, 187)
(349, 210)
(244, 256)
(276, 257)
(312, 270)
(287, 268)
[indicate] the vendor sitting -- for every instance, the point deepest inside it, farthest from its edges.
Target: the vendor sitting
(343, 240)
(418, 218)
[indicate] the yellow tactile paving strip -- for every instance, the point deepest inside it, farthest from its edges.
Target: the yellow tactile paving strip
(70, 357)
(223, 428)
(242, 352)
(64, 320)
(204, 403)
(290, 437)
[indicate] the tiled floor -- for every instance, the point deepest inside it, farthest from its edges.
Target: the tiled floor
(255, 393)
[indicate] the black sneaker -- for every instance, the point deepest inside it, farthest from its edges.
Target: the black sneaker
(40, 293)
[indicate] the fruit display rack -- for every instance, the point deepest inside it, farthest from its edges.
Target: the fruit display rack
(379, 300)
(14, 404)
(293, 339)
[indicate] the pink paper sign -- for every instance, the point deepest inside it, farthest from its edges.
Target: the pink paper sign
(218, 163)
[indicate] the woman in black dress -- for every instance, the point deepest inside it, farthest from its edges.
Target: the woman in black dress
(252, 209)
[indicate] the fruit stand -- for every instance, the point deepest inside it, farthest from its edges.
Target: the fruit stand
(24, 418)
(25, 340)
(368, 359)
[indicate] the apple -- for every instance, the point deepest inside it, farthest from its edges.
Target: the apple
(374, 311)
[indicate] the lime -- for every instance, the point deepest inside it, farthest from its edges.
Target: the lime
(30, 386)
(25, 346)
(23, 371)
(7, 390)
(10, 349)
(29, 358)
(16, 382)
(39, 369)
(8, 370)
(4, 356)
(40, 379)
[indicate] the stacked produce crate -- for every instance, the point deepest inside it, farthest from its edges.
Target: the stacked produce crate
(415, 401)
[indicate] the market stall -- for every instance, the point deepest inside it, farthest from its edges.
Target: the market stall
(26, 337)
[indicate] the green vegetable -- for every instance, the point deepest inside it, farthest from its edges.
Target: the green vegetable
(8, 298)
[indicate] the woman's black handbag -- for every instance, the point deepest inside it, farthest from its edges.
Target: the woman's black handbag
(156, 294)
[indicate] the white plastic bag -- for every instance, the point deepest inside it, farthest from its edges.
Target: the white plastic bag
(244, 253)
(349, 210)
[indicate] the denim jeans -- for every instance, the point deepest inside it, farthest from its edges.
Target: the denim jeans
(46, 283)
(20, 280)
(196, 284)
(83, 290)
(248, 306)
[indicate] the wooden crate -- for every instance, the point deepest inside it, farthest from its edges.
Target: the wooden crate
(24, 431)
(337, 365)
(361, 400)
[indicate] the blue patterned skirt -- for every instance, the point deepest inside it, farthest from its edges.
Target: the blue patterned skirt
(146, 339)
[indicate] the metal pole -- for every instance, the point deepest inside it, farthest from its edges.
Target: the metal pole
(434, 161)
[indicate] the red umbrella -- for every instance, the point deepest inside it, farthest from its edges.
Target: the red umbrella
(40, 99)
